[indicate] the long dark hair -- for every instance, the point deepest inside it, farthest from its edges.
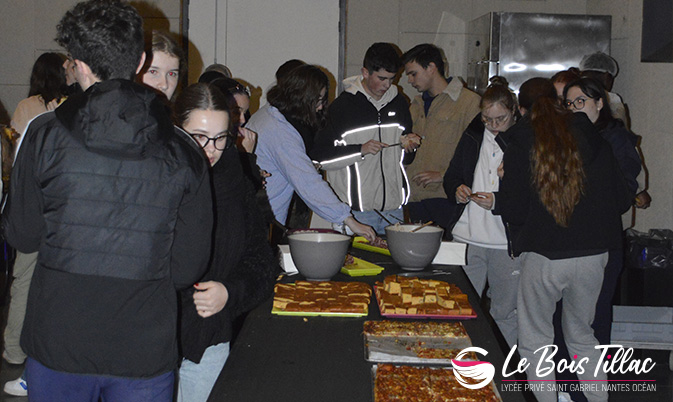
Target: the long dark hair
(48, 77)
(556, 165)
(595, 90)
(297, 94)
(200, 96)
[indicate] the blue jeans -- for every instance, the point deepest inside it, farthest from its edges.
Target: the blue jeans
(54, 386)
(196, 380)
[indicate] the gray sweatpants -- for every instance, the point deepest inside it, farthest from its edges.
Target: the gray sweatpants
(502, 273)
(544, 282)
(24, 266)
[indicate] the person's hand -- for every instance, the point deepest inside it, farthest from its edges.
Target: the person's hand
(360, 229)
(210, 298)
(52, 105)
(501, 170)
(372, 147)
(484, 200)
(248, 139)
(264, 174)
(643, 200)
(425, 178)
(410, 142)
(463, 194)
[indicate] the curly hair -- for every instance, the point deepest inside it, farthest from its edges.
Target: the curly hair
(556, 165)
(48, 78)
(107, 35)
(297, 95)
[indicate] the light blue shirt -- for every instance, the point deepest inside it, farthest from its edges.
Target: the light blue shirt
(281, 152)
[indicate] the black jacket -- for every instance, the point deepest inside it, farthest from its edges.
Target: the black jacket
(242, 259)
(373, 181)
(117, 202)
(595, 225)
(464, 162)
(623, 143)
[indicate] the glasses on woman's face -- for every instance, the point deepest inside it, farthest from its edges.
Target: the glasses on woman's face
(221, 142)
(578, 103)
(495, 121)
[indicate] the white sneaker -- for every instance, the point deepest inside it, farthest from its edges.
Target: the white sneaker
(564, 397)
(18, 387)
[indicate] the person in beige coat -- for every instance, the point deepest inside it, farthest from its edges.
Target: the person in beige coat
(440, 114)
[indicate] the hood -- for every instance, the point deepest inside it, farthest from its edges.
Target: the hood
(589, 140)
(353, 85)
(117, 118)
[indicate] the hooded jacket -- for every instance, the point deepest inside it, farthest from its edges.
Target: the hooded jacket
(594, 226)
(117, 202)
(372, 181)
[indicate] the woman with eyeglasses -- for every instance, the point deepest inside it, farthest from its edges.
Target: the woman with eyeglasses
(242, 267)
(562, 194)
(295, 106)
(588, 96)
(472, 179)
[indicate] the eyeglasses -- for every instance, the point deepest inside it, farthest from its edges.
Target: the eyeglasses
(221, 142)
(578, 103)
(495, 121)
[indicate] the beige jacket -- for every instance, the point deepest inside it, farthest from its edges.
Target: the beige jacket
(449, 115)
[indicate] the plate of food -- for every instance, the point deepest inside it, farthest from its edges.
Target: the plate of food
(413, 297)
(327, 298)
(426, 384)
(354, 266)
(419, 342)
(379, 245)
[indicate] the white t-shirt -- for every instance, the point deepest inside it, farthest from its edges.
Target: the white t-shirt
(477, 225)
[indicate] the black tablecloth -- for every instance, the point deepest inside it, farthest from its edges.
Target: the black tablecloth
(322, 359)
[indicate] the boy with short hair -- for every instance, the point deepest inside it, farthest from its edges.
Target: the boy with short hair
(367, 141)
(440, 114)
(118, 204)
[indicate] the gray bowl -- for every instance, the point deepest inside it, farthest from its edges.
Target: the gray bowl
(318, 256)
(413, 251)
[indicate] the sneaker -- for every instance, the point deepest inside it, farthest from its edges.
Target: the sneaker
(18, 387)
(564, 397)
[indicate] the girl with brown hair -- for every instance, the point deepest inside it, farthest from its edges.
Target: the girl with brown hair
(562, 194)
(294, 111)
(472, 181)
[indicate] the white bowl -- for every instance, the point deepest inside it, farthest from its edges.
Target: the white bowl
(413, 251)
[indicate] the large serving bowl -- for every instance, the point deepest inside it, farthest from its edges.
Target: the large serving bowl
(318, 256)
(413, 251)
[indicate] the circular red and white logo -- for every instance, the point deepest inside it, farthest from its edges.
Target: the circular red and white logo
(475, 370)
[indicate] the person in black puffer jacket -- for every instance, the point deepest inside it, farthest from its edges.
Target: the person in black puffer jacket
(242, 267)
(117, 202)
